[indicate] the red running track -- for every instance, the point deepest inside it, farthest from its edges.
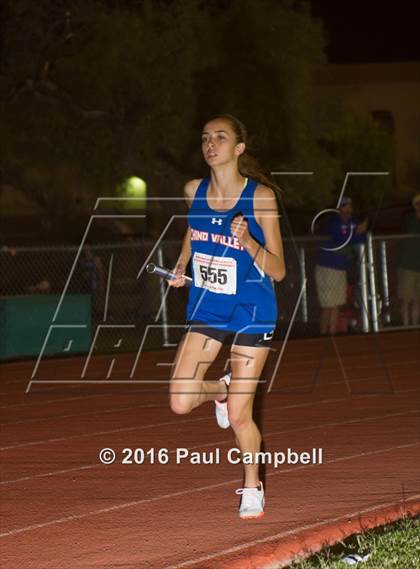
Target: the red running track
(357, 398)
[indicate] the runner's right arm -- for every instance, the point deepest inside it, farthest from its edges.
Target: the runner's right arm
(181, 265)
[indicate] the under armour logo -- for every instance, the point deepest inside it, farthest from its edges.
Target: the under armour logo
(216, 220)
(268, 335)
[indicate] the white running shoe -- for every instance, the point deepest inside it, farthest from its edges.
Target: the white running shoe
(252, 503)
(222, 416)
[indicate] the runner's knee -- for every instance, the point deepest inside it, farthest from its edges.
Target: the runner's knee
(239, 417)
(180, 403)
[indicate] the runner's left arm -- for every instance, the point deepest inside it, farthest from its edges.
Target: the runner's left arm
(271, 257)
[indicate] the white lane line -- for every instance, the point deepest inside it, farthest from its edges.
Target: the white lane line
(291, 373)
(140, 427)
(286, 533)
(293, 363)
(74, 383)
(90, 413)
(221, 443)
(134, 503)
(300, 361)
(99, 433)
(50, 474)
(161, 405)
(47, 401)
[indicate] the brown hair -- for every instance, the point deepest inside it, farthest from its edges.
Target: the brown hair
(248, 165)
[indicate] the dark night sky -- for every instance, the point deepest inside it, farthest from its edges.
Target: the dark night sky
(370, 30)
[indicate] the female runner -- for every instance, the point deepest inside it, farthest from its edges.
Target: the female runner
(235, 247)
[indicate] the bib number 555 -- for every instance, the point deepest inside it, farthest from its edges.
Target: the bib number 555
(213, 275)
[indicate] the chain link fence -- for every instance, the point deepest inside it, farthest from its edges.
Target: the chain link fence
(127, 301)
(395, 268)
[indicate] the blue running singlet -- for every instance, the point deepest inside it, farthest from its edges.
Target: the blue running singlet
(229, 291)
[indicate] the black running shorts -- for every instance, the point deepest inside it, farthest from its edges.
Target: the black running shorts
(240, 338)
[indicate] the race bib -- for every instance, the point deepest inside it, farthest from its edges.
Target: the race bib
(217, 274)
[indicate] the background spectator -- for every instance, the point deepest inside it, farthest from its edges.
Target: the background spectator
(335, 257)
(409, 266)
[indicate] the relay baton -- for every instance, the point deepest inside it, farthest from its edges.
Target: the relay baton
(166, 273)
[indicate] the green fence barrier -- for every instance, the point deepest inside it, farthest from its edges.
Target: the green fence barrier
(25, 322)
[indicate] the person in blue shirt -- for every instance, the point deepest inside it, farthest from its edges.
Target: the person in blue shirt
(234, 244)
(334, 259)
